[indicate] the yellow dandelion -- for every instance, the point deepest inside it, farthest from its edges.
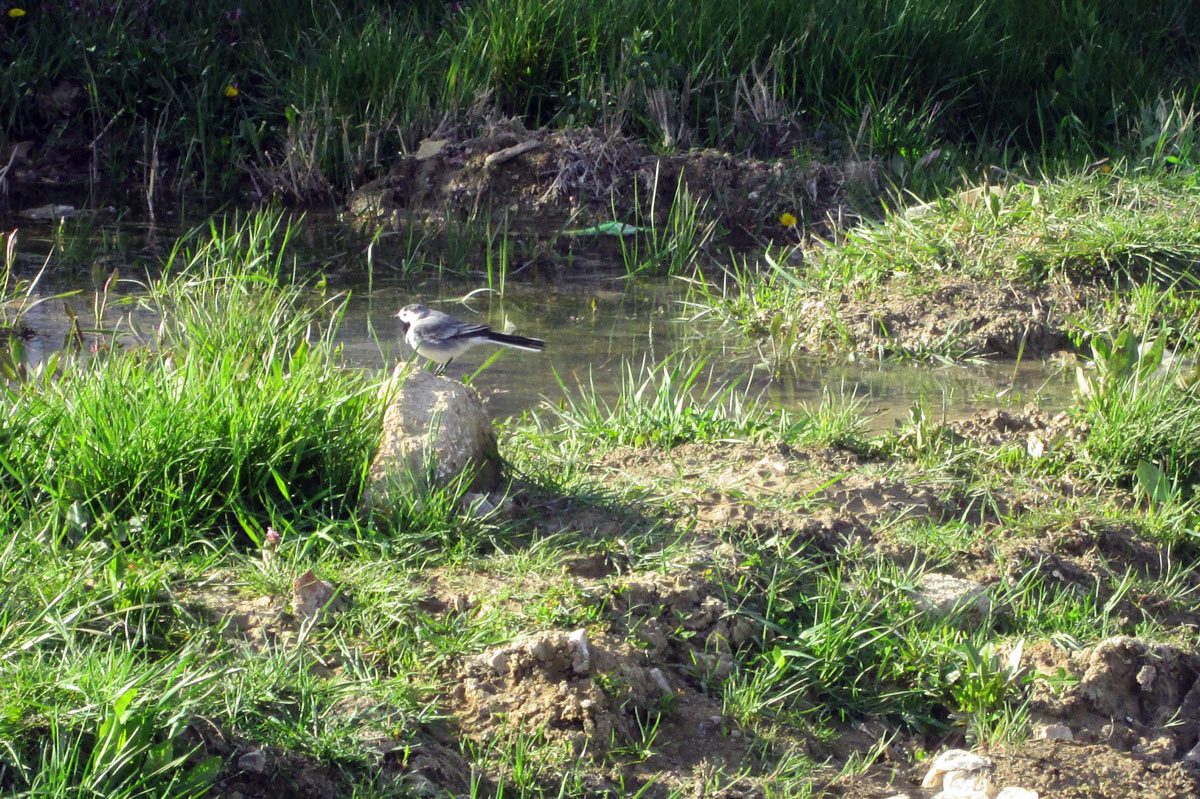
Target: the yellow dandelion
(16, 12)
(1106, 169)
(231, 91)
(787, 220)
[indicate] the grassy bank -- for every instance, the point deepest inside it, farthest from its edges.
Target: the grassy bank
(1022, 267)
(769, 567)
(306, 100)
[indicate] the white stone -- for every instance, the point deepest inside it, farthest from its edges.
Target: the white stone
(498, 662)
(659, 680)
(1013, 792)
(956, 761)
(942, 595)
(581, 653)
(1054, 732)
(254, 761)
(973, 784)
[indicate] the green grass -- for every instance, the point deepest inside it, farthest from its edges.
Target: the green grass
(673, 403)
(1120, 241)
(143, 617)
(231, 413)
(325, 92)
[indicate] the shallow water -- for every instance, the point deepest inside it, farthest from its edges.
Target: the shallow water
(597, 327)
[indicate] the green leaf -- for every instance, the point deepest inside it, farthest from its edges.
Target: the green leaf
(1153, 480)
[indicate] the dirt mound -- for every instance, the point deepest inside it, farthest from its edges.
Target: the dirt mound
(1127, 693)
(957, 317)
(545, 177)
(595, 692)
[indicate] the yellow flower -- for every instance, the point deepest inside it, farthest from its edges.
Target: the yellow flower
(1106, 169)
(787, 220)
(231, 91)
(16, 12)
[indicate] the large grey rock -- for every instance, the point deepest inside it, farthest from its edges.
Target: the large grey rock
(434, 428)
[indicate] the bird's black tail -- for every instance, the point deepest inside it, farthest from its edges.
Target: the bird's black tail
(517, 342)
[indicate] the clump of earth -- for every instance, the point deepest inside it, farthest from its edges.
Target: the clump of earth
(548, 180)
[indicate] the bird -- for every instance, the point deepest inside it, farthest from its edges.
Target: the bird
(441, 338)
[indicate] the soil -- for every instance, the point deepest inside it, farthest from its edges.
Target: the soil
(943, 316)
(631, 695)
(579, 177)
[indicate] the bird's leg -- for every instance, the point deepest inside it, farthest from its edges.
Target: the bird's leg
(437, 372)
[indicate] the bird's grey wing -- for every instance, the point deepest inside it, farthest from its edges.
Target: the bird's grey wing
(471, 331)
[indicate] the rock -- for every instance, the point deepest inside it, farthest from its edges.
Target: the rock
(254, 761)
(581, 655)
(941, 595)
(661, 681)
(1013, 792)
(312, 595)
(1054, 732)
(434, 427)
(498, 662)
(1193, 756)
(430, 148)
(975, 784)
(478, 505)
(959, 773)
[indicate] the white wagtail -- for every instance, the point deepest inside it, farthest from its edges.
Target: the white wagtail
(440, 337)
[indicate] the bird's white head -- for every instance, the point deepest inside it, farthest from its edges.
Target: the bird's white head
(411, 313)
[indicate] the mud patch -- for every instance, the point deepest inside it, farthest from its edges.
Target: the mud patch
(827, 497)
(259, 621)
(1064, 770)
(1030, 428)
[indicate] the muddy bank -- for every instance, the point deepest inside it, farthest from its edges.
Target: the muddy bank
(546, 180)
